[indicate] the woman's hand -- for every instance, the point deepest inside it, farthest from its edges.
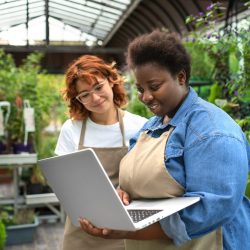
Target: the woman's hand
(105, 232)
(123, 196)
(102, 232)
(151, 232)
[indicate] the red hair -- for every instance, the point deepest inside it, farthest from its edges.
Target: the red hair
(87, 68)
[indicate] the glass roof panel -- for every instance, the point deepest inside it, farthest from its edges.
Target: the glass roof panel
(104, 24)
(66, 16)
(12, 12)
(36, 4)
(12, 19)
(112, 10)
(104, 19)
(13, 23)
(94, 18)
(123, 1)
(38, 9)
(79, 6)
(7, 5)
(120, 5)
(73, 11)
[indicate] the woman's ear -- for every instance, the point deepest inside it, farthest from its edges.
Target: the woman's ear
(182, 77)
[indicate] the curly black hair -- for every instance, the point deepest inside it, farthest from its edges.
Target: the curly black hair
(164, 49)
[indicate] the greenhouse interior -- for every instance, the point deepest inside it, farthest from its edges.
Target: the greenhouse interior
(39, 41)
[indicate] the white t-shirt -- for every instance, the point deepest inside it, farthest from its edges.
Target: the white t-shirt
(97, 135)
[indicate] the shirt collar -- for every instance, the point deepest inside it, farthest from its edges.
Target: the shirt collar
(185, 106)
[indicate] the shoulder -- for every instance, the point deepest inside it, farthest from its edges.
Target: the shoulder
(71, 124)
(70, 127)
(204, 120)
(133, 118)
(132, 123)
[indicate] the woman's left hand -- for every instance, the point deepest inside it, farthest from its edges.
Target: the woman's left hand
(102, 232)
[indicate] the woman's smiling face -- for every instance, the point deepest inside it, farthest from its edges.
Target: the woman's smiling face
(161, 92)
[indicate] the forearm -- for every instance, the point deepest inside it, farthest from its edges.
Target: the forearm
(152, 232)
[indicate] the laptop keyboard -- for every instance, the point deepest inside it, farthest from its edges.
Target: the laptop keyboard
(139, 214)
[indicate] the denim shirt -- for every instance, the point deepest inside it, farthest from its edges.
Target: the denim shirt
(208, 154)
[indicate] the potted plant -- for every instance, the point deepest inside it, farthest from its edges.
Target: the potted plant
(2, 235)
(18, 136)
(36, 183)
(20, 226)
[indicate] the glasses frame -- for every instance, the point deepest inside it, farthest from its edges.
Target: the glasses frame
(94, 90)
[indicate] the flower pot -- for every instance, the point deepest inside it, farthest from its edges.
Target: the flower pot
(2, 148)
(19, 148)
(34, 188)
(21, 234)
(38, 188)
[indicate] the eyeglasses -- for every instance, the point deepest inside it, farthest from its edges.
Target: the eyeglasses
(85, 96)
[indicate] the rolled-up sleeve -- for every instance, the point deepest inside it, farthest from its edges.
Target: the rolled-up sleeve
(215, 170)
(175, 229)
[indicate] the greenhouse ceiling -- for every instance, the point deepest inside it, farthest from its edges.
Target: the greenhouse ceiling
(97, 23)
(66, 29)
(61, 21)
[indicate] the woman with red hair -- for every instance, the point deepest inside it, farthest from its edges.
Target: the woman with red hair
(95, 93)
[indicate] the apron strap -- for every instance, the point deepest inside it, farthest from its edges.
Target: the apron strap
(121, 125)
(82, 135)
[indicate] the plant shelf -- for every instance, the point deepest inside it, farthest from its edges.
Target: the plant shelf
(21, 234)
(18, 159)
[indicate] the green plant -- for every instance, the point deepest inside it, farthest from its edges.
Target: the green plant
(2, 235)
(22, 216)
(202, 64)
(9, 217)
(248, 187)
(135, 106)
(229, 52)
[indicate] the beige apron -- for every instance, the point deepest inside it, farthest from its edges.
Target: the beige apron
(74, 237)
(143, 174)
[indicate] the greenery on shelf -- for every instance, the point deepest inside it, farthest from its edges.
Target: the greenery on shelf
(229, 53)
(2, 235)
(29, 82)
(23, 216)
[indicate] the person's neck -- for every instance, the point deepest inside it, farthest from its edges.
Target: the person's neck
(107, 118)
(166, 119)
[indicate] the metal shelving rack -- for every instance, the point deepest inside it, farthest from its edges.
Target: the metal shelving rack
(17, 162)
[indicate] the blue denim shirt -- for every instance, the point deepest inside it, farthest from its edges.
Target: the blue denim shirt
(208, 154)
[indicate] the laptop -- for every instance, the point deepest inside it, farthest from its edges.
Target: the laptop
(84, 190)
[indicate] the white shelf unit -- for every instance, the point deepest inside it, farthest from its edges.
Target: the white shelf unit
(49, 200)
(16, 161)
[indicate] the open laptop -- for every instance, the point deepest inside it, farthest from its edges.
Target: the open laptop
(84, 189)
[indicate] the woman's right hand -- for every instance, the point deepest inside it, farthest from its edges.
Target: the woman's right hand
(124, 196)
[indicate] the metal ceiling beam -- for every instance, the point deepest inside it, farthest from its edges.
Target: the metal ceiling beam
(166, 14)
(121, 21)
(27, 22)
(62, 49)
(47, 21)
